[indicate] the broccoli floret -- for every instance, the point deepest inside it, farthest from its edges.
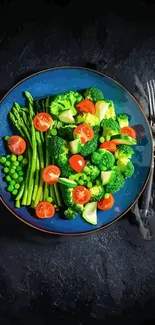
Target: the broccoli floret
(110, 127)
(88, 118)
(94, 94)
(126, 167)
(116, 183)
(67, 171)
(97, 193)
(68, 199)
(104, 159)
(90, 146)
(124, 151)
(110, 113)
(70, 214)
(66, 132)
(123, 120)
(91, 171)
(65, 101)
(57, 148)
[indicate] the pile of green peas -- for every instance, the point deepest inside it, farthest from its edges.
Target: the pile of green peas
(13, 168)
(81, 179)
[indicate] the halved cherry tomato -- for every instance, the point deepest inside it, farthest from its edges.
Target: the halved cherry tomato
(85, 131)
(108, 145)
(45, 210)
(81, 195)
(17, 145)
(77, 162)
(87, 106)
(42, 121)
(128, 130)
(51, 174)
(106, 204)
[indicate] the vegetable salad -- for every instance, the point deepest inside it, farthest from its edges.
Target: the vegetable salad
(70, 152)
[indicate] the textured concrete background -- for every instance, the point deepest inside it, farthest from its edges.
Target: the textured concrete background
(109, 275)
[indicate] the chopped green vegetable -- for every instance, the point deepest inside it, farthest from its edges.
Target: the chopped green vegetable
(70, 214)
(88, 118)
(116, 183)
(104, 159)
(65, 101)
(110, 127)
(122, 119)
(97, 193)
(94, 94)
(126, 167)
(124, 151)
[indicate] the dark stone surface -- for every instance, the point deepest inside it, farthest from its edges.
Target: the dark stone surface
(109, 275)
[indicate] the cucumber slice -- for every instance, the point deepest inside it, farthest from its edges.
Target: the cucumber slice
(90, 213)
(101, 109)
(67, 182)
(67, 116)
(123, 139)
(75, 146)
(107, 176)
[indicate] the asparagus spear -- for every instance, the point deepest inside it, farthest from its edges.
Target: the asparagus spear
(34, 149)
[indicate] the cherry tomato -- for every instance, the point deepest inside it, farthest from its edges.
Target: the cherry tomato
(129, 131)
(51, 174)
(85, 131)
(17, 145)
(81, 195)
(108, 145)
(45, 210)
(42, 121)
(77, 162)
(106, 204)
(87, 106)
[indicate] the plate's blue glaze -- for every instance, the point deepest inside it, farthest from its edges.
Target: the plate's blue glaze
(61, 80)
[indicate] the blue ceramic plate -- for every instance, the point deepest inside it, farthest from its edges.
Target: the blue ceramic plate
(59, 80)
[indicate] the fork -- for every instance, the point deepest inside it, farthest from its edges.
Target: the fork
(146, 196)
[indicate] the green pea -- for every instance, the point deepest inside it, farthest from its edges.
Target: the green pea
(25, 161)
(5, 170)
(19, 168)
(20, 179)
(10, 188)
(8, 178)
(49, 199)
(106, 195)
(20, 173)
(13, 157)
(53, 132)
(17, 186)
(8, 156)
(15, 176)
(7, 163)
(20, 158)
(12, 171)
(88, 179)
(102, 139)
(2, 160)
(89, 184)
(16, 163)
(15, 192)
(81, 182)
(6, 138)
(12, 182)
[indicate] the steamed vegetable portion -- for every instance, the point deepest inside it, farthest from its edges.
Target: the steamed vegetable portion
(71, 152)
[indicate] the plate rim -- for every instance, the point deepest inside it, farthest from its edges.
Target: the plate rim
(147, 178)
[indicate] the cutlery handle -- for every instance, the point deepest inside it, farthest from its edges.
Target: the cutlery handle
(146, 196)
